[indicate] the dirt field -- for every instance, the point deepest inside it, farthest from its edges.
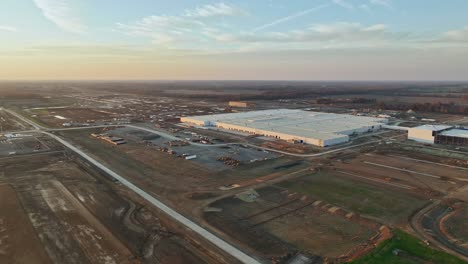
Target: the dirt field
(10, 123)
(340, 206)
(80, 217)
(454, 157)
(55, 117)
(17, 233)
(404, 173)
(319, 232)
(69, 233)
(287, 222)
(162, 173)
(368, 204)
(26, 100)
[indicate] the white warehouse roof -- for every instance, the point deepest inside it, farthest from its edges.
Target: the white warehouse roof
(461, 133)
(293, 124)
(432, 127)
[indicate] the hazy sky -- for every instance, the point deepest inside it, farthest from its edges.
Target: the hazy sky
(237, 39)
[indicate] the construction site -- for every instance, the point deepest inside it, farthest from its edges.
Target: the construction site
(129, 181)
(367, 197)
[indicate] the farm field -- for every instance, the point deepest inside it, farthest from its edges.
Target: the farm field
(55, 117)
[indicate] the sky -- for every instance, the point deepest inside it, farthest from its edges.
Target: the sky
(233, 40)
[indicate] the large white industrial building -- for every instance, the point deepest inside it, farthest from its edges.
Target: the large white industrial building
(316, 128)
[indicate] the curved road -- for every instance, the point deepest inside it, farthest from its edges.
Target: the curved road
(426, 223)
(431, 222)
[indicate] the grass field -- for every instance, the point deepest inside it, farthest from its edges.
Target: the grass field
(386, 204)
(35, 119)
(312, 230)
(411, 249)
(279, 221)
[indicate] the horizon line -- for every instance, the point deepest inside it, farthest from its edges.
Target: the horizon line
(221, 80)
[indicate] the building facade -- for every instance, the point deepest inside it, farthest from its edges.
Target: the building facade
(439, 134)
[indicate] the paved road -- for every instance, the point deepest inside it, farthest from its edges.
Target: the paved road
(171, 212)
(431, 221)
(426, 223)
(220, 243)
(25, 120)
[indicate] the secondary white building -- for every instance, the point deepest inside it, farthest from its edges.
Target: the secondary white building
(316, 128)
(439, 134)
(426, 133)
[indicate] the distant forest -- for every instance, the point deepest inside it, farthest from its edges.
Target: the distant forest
(450, 108)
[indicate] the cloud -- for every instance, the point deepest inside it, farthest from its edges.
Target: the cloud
(61, 13)
(366, 8)
(163, 29)
(343, 4)
(346, 35)
(288, 18)
(194, 30)
(189, 28)
(213, 10)
(8, 28)
(457, 35)
(385, 3)
(339, 34)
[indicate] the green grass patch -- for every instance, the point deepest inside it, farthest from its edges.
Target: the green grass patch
(390, 206)
(40, 111)
(36, 119)
(412, 250)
